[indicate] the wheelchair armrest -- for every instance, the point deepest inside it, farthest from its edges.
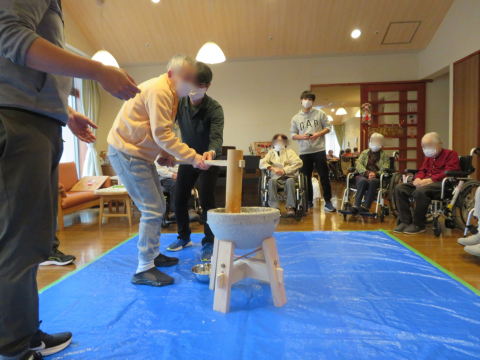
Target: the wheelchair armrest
(351, 169)
(457, 173)
(412, 171)
(388, 171)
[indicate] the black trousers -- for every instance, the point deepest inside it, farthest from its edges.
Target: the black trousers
(186, 179)
(320, 161)
(363, 184)
(423, 196)
(30, 149)
(168, 185)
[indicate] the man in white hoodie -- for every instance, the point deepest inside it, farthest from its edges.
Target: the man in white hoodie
(309, 127)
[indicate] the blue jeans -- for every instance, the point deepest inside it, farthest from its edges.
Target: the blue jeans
(143, 185)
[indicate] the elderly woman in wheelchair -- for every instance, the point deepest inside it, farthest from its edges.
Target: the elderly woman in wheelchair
(283, 165)
(370, 165)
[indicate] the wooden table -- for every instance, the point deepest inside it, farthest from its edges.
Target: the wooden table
(114, 194)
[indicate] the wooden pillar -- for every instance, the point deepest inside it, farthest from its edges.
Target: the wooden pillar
(234, 181)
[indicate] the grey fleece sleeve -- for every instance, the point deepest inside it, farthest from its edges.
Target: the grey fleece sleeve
(216, 131)
(293, 128)
(18, 23)
(325, 122)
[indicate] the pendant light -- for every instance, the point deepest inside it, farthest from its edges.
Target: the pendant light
(341, 111)
(210, 53)
(358, 113)
(104, 56)
(329, 118)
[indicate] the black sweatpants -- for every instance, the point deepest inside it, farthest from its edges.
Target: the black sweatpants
(363, 184)
(186, 179)
(320, 161)
(423, 196)
(30, 150)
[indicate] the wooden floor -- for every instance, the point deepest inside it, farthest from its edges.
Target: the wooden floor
(83, 238)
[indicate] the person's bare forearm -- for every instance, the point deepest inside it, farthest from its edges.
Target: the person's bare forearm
(46, 57)
(297, 137)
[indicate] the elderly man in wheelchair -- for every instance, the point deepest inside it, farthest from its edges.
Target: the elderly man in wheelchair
(283, 165)
(427, 186)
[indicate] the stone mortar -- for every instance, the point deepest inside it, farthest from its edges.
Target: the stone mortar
(247, 229)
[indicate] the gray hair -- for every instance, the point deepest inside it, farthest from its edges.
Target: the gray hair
(376, 135)
(434, 137)
(178, 61)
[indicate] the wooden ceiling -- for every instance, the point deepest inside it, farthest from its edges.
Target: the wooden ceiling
(243, 28)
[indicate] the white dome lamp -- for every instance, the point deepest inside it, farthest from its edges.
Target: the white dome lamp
(341, 111)
(104, 56)
(210, 53)
(329, 118)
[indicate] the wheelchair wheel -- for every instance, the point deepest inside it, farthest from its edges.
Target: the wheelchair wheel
(465, 202)
(303, 189)
(397, 179)
(164, 224)
(437, 229)
(262, 190)
(382, 214)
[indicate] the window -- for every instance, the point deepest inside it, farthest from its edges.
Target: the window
(69, 146)
(331, 143)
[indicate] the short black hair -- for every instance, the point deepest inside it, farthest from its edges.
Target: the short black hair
(282, 136)
(307, 95)
(355, 149)
(204, 73)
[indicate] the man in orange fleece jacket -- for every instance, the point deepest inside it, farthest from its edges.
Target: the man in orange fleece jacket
(142, 131)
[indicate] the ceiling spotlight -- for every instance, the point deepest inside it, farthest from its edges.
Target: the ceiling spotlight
(156, 1)
(329, 118)
(341, 111)
(333, 110)
(356, 33)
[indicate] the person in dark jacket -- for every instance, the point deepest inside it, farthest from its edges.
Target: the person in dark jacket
(201, 122)
(35, 80)
(426, 186)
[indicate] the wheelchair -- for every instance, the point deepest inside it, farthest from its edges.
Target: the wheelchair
(457, 198)
(166, 222)
(335, 170)
(301, 193)
(387, 181)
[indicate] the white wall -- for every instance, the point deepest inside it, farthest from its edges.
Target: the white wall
(260, 97)
(457, 37)
(437, 112)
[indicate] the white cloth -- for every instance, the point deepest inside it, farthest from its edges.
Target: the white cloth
(476, 212)
(316, 189)
(90, 96)
(166, 172)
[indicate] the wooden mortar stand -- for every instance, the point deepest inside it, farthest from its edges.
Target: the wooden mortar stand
(225, 272)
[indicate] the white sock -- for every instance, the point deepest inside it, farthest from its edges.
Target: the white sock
(144, 266)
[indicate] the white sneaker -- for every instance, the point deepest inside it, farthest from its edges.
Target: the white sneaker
(471, 240)
(473, 249)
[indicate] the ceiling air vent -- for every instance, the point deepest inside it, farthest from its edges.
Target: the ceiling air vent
(401, 32)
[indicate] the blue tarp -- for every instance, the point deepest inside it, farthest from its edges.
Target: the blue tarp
(351, 295)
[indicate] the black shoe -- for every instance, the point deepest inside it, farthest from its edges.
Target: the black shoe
(363, 209)
(400, 228)
(152, 277)
(46, 344)
(164, 261)
(413, 229)
(32, 355)
(58, 258)
(354, 210)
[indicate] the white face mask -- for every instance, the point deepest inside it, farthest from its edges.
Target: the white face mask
(279, 147)
(183, 88)
(429, 152)
(375, 147)
(197, 94)
(307, 104)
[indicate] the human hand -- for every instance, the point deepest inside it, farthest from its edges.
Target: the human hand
(198, 163)
(315, 136)
(305, 137)
(417, 182)
(79, 126)
(208, 155)
(166, 161)
(117, 82)
(371, 175)
(280, 172)
(174, 176)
